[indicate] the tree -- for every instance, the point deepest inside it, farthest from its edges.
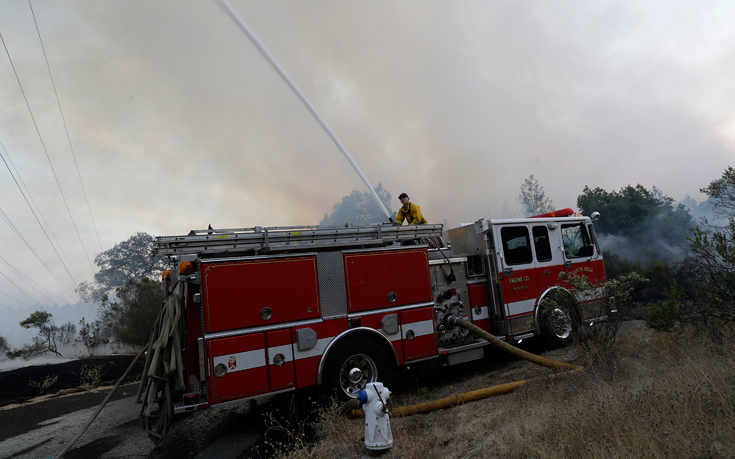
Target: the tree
(49, 338)
(533, 198)
(91, 335)
(507, 212)
(136, 307)
(3, 344)
(699, 209)
(642, 222)
(67, 333)
(713, 250)
(129, 259)
(359, 207)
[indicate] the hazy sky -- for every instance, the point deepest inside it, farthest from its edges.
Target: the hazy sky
(177, 122)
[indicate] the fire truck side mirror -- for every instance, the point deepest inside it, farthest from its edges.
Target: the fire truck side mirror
(595, 216)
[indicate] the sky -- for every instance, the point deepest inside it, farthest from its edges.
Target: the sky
(174, 121)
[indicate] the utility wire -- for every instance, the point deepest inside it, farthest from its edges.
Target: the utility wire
(39, 211)
(11, 310)
(43, 145)
(22, 303)
(29, 282)
(12, 226)
(58, 101)
(12, 328)
(16, 286)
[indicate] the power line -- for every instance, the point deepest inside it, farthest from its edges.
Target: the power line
(10, 309)
(12, 226)
(43, 145)
(39, 211)
(8, 326)
(22, 303)
(16, 286)
(58, 101)
(28, 281)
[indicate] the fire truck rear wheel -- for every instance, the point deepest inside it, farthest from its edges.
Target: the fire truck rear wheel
(354, 364)
(558, 320)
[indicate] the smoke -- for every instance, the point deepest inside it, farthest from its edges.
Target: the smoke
(74, 351)
(13, 364)
(641, 250)
(61, 314)
(700, 210)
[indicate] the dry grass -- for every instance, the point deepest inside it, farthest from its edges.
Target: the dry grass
(90, 376)
(43, 384)
(653, 395)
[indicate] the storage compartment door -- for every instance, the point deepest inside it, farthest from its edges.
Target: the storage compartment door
(386, 279)
(254, 293)
(418, 334)
(237, 367)
(480, 307)
(280, 360)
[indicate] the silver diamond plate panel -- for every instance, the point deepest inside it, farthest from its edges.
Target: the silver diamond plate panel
(194, 385)
(465, 240)
(332, 291)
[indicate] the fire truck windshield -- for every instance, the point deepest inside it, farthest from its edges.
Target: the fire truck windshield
(577, 243)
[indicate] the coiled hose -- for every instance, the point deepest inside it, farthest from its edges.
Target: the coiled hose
(465, 397)
(163, 373)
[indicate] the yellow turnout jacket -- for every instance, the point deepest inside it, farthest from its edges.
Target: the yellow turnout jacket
(412, 215)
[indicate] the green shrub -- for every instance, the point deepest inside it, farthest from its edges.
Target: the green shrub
(666, 314)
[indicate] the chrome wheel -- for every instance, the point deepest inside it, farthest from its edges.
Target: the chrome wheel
(560, 323)
(355, 373)
(558, 319)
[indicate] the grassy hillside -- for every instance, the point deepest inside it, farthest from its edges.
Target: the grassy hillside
(650, 395)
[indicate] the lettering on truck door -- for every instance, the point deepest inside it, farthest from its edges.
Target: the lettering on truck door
(520, 279)
(582, 259)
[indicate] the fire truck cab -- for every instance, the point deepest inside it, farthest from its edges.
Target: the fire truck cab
(270, 310)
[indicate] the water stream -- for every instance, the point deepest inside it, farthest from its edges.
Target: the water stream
(249, 33)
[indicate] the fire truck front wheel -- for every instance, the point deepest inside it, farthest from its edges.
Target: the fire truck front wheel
(558, 320)
(352, 365)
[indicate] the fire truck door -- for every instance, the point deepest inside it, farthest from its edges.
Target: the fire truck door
(549, 255)
(519, 280)
(580, 254)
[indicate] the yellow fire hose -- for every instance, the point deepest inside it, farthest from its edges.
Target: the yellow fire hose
(455, 400)
(514, 350)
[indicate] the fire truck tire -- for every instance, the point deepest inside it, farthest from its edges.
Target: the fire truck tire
(558, 319)
(352, 365)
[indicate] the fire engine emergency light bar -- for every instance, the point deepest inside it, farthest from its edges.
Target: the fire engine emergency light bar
(284, 238)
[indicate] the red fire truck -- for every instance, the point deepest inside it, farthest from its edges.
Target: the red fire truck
(260, 311)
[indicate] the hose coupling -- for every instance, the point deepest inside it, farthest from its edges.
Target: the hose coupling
(449, 321)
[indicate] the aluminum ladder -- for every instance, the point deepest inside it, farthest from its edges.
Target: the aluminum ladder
(290, 238)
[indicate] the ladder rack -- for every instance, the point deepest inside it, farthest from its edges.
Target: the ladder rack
(289, 238)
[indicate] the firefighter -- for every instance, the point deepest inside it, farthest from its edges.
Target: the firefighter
(409, 211)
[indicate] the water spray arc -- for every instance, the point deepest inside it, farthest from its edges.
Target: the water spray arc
(262, 49)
